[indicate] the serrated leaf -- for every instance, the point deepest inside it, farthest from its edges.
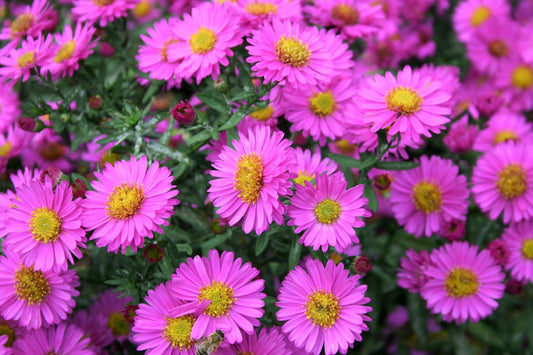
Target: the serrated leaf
(294, 254)
(417, 316)
(261, 243)
(370, 194)
(214, 101)
(396, 165)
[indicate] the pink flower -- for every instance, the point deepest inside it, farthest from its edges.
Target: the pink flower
(254, 13)
(515, 82)
(323, 307)
(130, 201)
(460, 137)
(19, 62)
(232, 290)
(473, 15)
(103, 10)
(411, 274)
(269, 341)
(518, 239)
(463, 284)
(30, 22)
(10, 106)
(499, 251)
(94, 326)
(250, 177)
(310, 165)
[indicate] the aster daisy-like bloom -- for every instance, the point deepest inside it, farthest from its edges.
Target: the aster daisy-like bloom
(61, 339)
(426, 197)
(269, 341)
(9, 106)
(35, 298)
(11, 144)
(296, 55)
(112, 308)
(71, 47)
(31, 21)
(250, 178)
(206, 37)
(103, 11)
(94, 326)
(328, 212)
(19, 62)
(321, 111)
(518, 239)
(502, 181)
(130, 201)
(234, 291)
(461, 136)
(515, 82)
(471, 15)
(504, 126)
(410, 105)
(44, 226)
(309, 165)
(411, 274)
(323, 306)
(463, 284)
(254, 12)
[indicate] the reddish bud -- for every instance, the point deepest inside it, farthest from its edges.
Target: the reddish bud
(183, 113)
(106, 50)
(129, 312)
(95, 102)
(153, 253)
(362, 265)
(30, 125)
(453, 230)
(499, 251)
(514, 287)
(382, 182)
(79, 188)
(54, 174)
(218, 225)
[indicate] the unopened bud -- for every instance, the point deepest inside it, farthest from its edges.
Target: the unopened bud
(362, 265)
(453, 230)
(221, 85)
(106, 49)
(79, 188)
(30, 125)
(95, 102)
(129, 312)
(183, 113)
(499, 251)
(218, 225)
(382, 182)
(514, 287)
(153, 253)
(54, 174)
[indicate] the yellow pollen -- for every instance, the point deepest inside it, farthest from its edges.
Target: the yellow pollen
(249, 177)
(480, 15)
(168, 42)
(504, 136)
(292, 51)
(498, 48)
(45, 225)
(522, 77)
(345, 147)
(304, 176)
(328, 211)
(5, 149)
(21, 24)
(322, 308)
(26, 60)
(31, 286)
(405, 101)
(125, 201)
(322, 104)
(512, 181)
(203, 41)
(118, 324)
(7, 330)
(142, 9)
(427, 197)
(527, 249)
(345, 13)
(263, 114)
(221, 297)
(261, 8)
(101, 3)
(178, 331)
(65, 52)
(461, 282)
(109, 157)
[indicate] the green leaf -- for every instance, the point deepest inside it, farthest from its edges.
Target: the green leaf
(244, 95)
(294, 254)
(261, 243)
(485, 333)
(214, 101)
(417, 316)
(233, 120)
(202, 137)
(215, 241)
(345, 161)
(396, 165)
(370, 194)
(167, 152)
(152, 89)
(184, 248)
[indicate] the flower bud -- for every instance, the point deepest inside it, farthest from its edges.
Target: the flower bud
(54, 174)
(221, 85)
(79, 188)
(382, 182)
(362, 265)
(183, 113)
(95, 102)
(514, 287)
(30, 124)
(153, 253)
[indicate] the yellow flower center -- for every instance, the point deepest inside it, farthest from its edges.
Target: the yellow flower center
(5, 148)
(125, 201)
(101, 3)
(303, 176)
(498, 48)
(405, 101)
(322, 308)
(249, 177)
(21, 24)
(261, 8)
(65, 52)
(292, 51)
(31, 286)
(168, 42)
(142, 9)
(427, 197)
(7, 330)
(504, 136)
(45, 225)
(512, 181)
(522, 77)
(480, 15)
(26, 60)
(221, 297)
(527, 249)
(322, 103)
(178, 331)
(263, 114)
(328, 211)
(203, 41)
(345, 13)
(118, 324)
(345, 147)
(109, 157)
(51, 151)
(461, 282)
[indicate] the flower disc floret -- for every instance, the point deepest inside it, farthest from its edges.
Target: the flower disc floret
(522, 77)
(322, 308)
(45, 225)
(427, 196)
(405, 101)
(345, 13)
(327, 211)
(178, 331)
(249, 177)
(512, 181)
(480, 15)
(292, 51)
(125, 201)
(322, 104)
(65, 52)
(461, 282)
(118, 324)
(31, 285)
(203, 41)
(261, 8)
(527, 249)
(22, 23)
(221, 297)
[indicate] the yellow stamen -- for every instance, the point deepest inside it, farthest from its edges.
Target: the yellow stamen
(21, 24)
(221, 297)
(118, 324)
(345, 13)
(522, 77)
(45, 225)
(31, 286)
(480, 15)
(178, 331)
(203, 41)
(405, 101)
(527, 249)
(427, 197)
(125, 201)
(504, 136)
(65, 52)
(6, 147)
(292, 51)
(26, 60)
(461, 282)
(322, 104)
(322, 308)
(261, 8)
(512, 181)
(142, 9)
(249, 177)
(101, 3)
(327, 211)
(263, 114)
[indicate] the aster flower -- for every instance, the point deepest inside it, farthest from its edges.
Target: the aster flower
(515, 83)
(411, 274)
(94, 326)
(518, 239)
(146, 11)
(502, 181)
(309, 165)
(505, 125)
(296, 55)
(19, 62)
(71, 47)
(461, 136)
(463, 284)
(323, 306)
(328, 212)
(254, 12)
(10, 106)
(11, 144)
(96, 154)
(44, 227)
(130, 201)
(471, 15)
(233, 290)
(31, 21)
(269, 341)
(321, 111)
(35, 298)
(206, 37)
(103, 11)
(426, 197)
(61, 339)
(250, 177)
(47, 149)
